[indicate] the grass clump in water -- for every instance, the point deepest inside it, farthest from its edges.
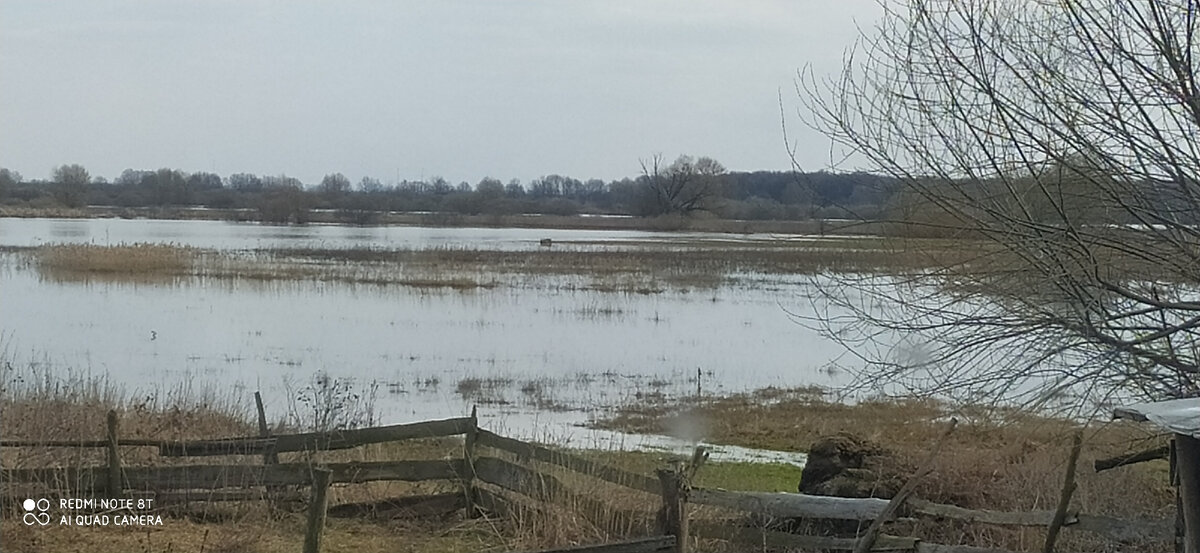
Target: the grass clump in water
(125, 259)
(485, 391)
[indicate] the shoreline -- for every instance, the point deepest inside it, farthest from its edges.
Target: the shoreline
(667, 223)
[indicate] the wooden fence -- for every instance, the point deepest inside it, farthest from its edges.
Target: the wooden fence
(489, 479)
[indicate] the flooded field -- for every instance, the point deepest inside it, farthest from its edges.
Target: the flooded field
(236, 236)
(538, 351)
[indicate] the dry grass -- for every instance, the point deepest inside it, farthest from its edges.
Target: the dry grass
(258, 534)
(642, 267)
(619, 267)
(37, 404)
(1006, 461)
(683, 259)
(148, 260)
(40, 404)
(1003, 461)
(63, 413)
(43, 212)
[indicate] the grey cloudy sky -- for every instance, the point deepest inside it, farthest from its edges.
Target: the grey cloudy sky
(509, 89)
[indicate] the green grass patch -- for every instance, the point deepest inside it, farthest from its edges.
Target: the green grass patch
(751, 477)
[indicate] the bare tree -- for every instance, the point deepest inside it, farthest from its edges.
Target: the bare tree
(370, 185)
(284, 200)
(10, 177)
(71, 184)
(686, 185)
(334, 185)
(8, 180)
(1058, 142)
(168, 187)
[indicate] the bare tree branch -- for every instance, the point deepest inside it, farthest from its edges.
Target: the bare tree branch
(1059, 139)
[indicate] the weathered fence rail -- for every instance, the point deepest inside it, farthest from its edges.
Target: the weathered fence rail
(78, 443)
(569, 461)
(212, 477)
(215, 482)
(315, 441)
(791, 505)
(999, 518)
(256, 445)
(545, 487)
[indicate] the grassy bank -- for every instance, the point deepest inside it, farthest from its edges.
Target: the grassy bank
(995, 460)
(1000, 461)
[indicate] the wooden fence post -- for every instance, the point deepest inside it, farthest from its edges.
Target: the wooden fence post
(1173, 468)
(270, 456)
(1187, 464)
(1064, 501)
(674, 508)
(867, 540)
(316, 509)
(114, 457)
(469, 438)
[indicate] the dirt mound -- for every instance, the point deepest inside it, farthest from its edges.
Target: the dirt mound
(846, 465)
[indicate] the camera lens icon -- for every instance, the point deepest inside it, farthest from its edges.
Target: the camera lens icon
(35, 511)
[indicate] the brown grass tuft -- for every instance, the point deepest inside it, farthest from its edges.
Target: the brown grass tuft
(136, 259)
(996, 460)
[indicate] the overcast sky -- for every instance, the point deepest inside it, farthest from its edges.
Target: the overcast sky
(463, 90)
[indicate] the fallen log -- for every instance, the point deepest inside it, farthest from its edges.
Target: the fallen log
(1151, 454)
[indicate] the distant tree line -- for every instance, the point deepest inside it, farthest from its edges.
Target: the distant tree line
(687, 185)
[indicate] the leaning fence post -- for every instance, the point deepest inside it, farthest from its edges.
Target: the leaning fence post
(316, 509)
(1064, 501)
(674, 508)
(867, 540)
(469, 439)
(1173, 468)
(1187, 459)
(270, 456)
(114, 457)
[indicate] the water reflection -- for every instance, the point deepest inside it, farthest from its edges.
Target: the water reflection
(69, 230)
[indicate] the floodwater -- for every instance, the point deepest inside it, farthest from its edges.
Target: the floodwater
(241, 236)
(538, 360)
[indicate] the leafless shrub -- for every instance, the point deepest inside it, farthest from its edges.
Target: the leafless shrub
(1062, 137)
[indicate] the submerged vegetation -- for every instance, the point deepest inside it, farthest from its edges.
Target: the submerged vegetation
(626, 266)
